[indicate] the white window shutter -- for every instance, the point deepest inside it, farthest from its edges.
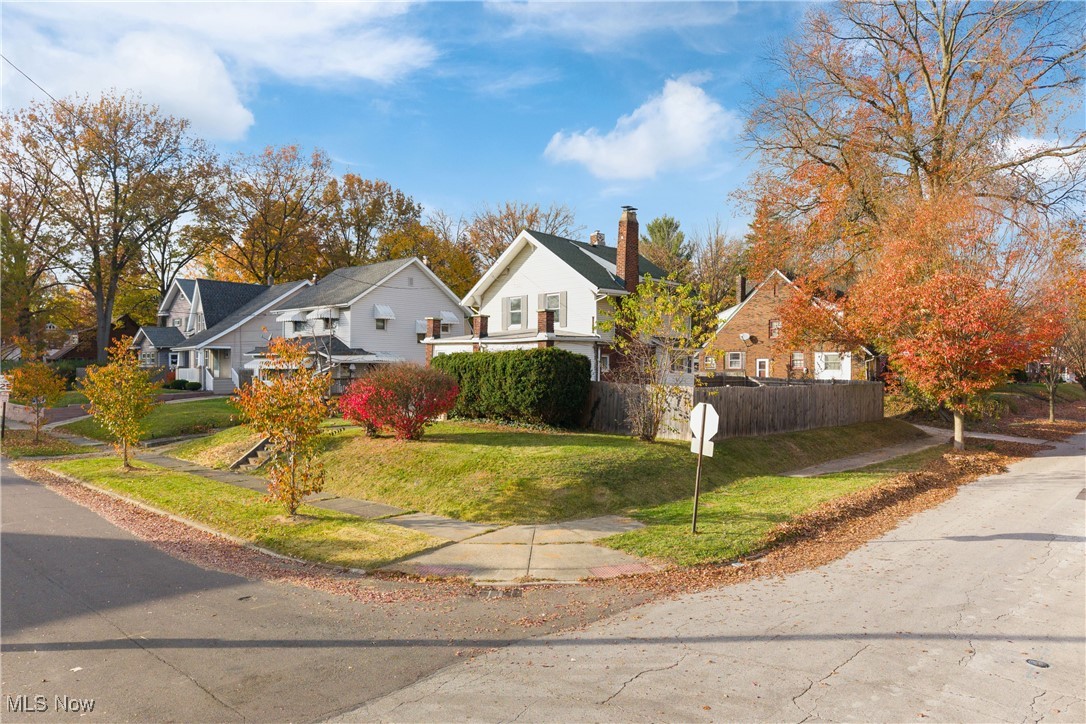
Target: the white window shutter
(561, 309)
(524, 312)
(541, 303)
(505, 313)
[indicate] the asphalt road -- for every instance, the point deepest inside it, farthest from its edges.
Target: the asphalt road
(934, 621)
(88, 611)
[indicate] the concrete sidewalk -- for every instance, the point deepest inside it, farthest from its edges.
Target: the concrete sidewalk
(943, 435)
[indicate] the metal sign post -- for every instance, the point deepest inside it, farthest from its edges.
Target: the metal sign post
(704, 422)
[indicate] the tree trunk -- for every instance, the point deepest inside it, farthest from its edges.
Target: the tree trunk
(1051, 404)
(104, 308)
(124, 454)
(959, 430)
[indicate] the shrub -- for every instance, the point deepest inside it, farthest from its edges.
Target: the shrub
(192, 386)
(69, 370)
(121, 394)
(537, 386)
(38, 387)
(404, 397)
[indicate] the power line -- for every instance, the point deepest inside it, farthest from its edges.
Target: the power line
(32, 81)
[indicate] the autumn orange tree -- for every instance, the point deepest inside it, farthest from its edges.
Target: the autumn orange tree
(121, 395)
(37, 386)
(287, 407)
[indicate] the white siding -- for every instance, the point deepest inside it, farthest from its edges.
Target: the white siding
(409, 303)
(821, 373)
(534, 271)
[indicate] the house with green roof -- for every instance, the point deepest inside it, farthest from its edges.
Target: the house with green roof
(550, 291)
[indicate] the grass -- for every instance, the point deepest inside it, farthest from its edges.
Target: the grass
(495, 474)
(181, 418)
(736, 519)
(75, 397)
(1065, 392)
(219, 450)
(20, 444)
(316, 534)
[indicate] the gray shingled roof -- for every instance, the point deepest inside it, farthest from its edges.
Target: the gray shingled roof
(188, 287)
(220, 299)
(343, 285)
(163, 337)
(338, 347)
(268, 296)
(579, 256)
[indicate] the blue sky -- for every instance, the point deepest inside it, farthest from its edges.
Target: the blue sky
(594, 105)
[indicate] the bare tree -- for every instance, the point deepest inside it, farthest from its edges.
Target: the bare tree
(718, 260)
(492, 229)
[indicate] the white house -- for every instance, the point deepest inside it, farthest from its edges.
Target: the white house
(549, 291)
(365, 315)
(213, 354)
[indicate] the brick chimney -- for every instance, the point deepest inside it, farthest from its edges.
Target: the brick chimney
(479, 325)
(596, 239)
(740, 288)
(433, 331)
(626, 260)
(545, 325)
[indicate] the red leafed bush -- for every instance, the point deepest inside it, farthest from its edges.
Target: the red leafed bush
(403, 397)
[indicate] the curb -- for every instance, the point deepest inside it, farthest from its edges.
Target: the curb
(204, 528)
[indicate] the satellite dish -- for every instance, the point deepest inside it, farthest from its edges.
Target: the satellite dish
(744, 336)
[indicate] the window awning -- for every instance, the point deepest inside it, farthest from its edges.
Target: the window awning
(296, 316)
(448, 317)
(326, 313)
(383, 311)
(420, 326)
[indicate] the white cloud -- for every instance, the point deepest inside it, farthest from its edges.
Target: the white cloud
(674, 129)
(601, 26)
(199, 59)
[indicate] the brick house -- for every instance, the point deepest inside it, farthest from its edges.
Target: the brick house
(745, 343)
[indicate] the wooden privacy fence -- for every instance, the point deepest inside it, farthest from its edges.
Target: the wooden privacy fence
(745, 411)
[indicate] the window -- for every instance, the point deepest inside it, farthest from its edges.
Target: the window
(710, 362)
(761, 367)
(553, 303)
(798, 363)
(832, 361)
(516, 311)
(774, 328)
(446, 328)
(147, 359)
(300, 327)
(382, 324)
(605, 363)
(735, 360)
(174, 357)
(176, 321)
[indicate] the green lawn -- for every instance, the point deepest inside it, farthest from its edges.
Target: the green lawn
(20, 444)
(316, 534)
(181, 418)
(1065, 392)
(735, 519)
(495, 474)
(75, 397)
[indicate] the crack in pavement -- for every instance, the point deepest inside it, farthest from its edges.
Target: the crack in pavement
(639, 675)
(811, 684)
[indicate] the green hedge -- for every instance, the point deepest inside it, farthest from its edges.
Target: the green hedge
(548, 386)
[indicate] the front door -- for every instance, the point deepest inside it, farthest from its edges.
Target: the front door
(761, 367)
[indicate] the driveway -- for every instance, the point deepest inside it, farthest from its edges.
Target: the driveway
(936, 621)
(88, 611)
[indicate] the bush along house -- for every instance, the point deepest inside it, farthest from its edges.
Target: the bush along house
(549, 291)
(746, 341)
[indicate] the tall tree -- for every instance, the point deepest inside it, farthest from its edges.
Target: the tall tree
(360, 213)
(168, 253)
(884, 104)
(29, 246)
(666, 246)
(452, 263)
(718, 260)
(266, 222)
(493, 229)
(120, 172)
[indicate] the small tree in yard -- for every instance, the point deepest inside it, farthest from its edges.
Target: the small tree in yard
(288, 408)
(657, 329)
(38, 387)
(403, 397)
(121, 394)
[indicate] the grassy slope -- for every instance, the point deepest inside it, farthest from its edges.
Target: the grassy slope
(316, 534)
(734, 520)
(495, 474)
(20, 443)
(168, 420)
(218, 450)
(75, 397)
